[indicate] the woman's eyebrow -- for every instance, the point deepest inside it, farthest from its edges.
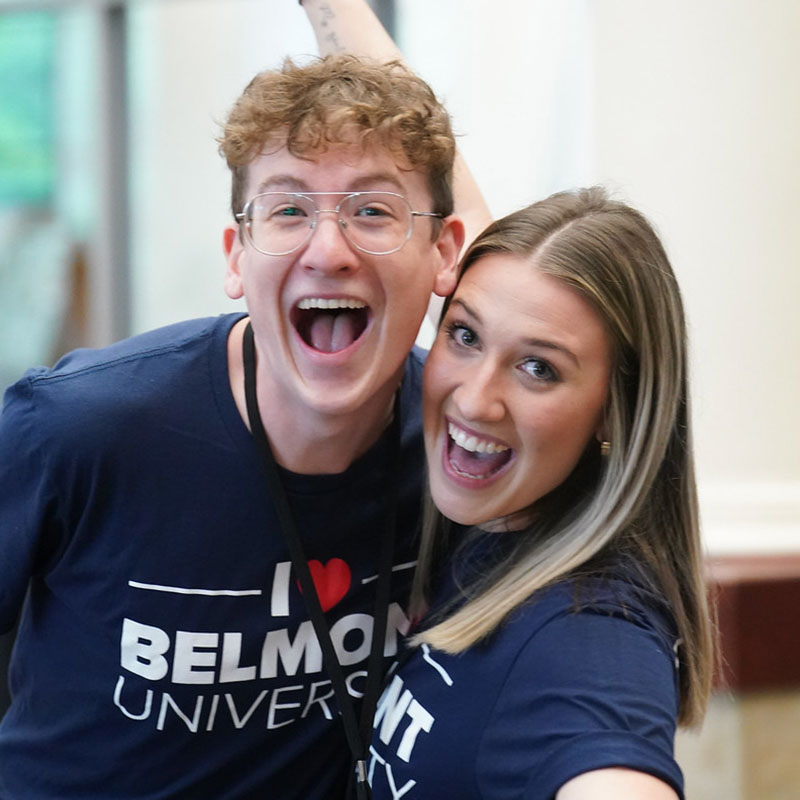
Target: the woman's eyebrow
(549, 345)
(467, 308)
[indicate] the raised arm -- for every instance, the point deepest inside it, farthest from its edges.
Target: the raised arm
(350, 26)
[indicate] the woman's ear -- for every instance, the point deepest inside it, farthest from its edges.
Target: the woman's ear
(602, 431)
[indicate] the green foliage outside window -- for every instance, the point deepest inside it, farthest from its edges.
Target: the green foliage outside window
(27, 160)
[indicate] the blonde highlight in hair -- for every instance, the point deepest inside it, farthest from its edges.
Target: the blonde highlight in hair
(341, 100)
(639, 501)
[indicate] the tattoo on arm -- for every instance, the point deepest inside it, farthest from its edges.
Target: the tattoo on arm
(327, 18)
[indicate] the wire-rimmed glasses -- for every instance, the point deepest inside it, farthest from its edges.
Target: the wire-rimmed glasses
(378, 223)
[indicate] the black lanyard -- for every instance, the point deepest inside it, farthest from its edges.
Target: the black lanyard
(358, 737)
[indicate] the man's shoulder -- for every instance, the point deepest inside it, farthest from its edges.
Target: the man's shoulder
(87, 382)
(416, 358)
(147, 347)
(412, 374)
(411, 391)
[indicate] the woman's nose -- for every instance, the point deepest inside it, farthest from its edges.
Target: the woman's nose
(479, 394)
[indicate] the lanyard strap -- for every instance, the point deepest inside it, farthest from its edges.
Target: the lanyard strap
(358, 737)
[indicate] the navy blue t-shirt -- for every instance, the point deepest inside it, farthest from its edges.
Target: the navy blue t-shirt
(581, 677)
(164, 650)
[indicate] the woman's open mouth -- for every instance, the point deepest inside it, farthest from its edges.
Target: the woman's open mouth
(473, 456)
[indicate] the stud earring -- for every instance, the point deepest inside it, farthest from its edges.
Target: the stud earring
(605, 448)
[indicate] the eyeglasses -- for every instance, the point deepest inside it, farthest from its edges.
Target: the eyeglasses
(378, 223)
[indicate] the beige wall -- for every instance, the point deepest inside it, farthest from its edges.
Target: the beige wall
(697, 119)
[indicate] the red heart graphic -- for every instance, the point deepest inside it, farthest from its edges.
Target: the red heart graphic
(331, 580)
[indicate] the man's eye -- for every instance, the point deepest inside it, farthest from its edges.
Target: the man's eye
(372, 211)
(538, 369)
(288, 211)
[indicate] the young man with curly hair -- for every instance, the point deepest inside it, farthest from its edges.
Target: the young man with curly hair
(165, 648)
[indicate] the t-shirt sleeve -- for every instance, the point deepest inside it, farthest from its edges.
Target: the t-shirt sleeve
(25, 497)
(589, 690)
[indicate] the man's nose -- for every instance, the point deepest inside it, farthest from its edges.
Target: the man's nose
(328, 250)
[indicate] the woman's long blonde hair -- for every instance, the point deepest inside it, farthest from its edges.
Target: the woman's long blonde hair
(640, 500)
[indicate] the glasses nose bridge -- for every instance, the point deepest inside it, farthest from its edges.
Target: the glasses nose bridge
(341, 225)
(336, 211)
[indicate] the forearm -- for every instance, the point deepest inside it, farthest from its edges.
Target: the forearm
(615, 783)
(349, 26)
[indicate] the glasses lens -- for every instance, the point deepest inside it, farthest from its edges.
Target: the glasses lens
(279, 222)
(376, 222)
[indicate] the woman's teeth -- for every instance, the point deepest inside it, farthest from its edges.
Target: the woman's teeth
(472, 443)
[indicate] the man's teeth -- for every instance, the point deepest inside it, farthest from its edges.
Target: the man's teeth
(472, 443)
(329, 303)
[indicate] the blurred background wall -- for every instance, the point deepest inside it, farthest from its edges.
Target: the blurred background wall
(113, 199)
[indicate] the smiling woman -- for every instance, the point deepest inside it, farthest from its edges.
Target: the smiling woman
(563, 629)
(521, 369)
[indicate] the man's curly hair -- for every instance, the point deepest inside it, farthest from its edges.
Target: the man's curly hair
(341, 100)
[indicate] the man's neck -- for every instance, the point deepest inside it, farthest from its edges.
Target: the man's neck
(302, 440)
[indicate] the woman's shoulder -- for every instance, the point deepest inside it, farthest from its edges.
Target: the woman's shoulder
(618, 589)
(590, 671)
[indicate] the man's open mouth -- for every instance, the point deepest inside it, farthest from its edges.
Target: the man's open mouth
(471, 456)
(330, 324)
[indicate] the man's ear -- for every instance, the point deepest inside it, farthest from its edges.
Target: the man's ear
(233, 248)
(449, 244)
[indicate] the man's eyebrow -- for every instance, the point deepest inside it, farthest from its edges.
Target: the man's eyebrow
(291, 183)
(366, 182)
(546, 344)
(288, 183)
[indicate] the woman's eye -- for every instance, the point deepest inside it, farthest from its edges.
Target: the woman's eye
(461, 334)
(538, 369)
